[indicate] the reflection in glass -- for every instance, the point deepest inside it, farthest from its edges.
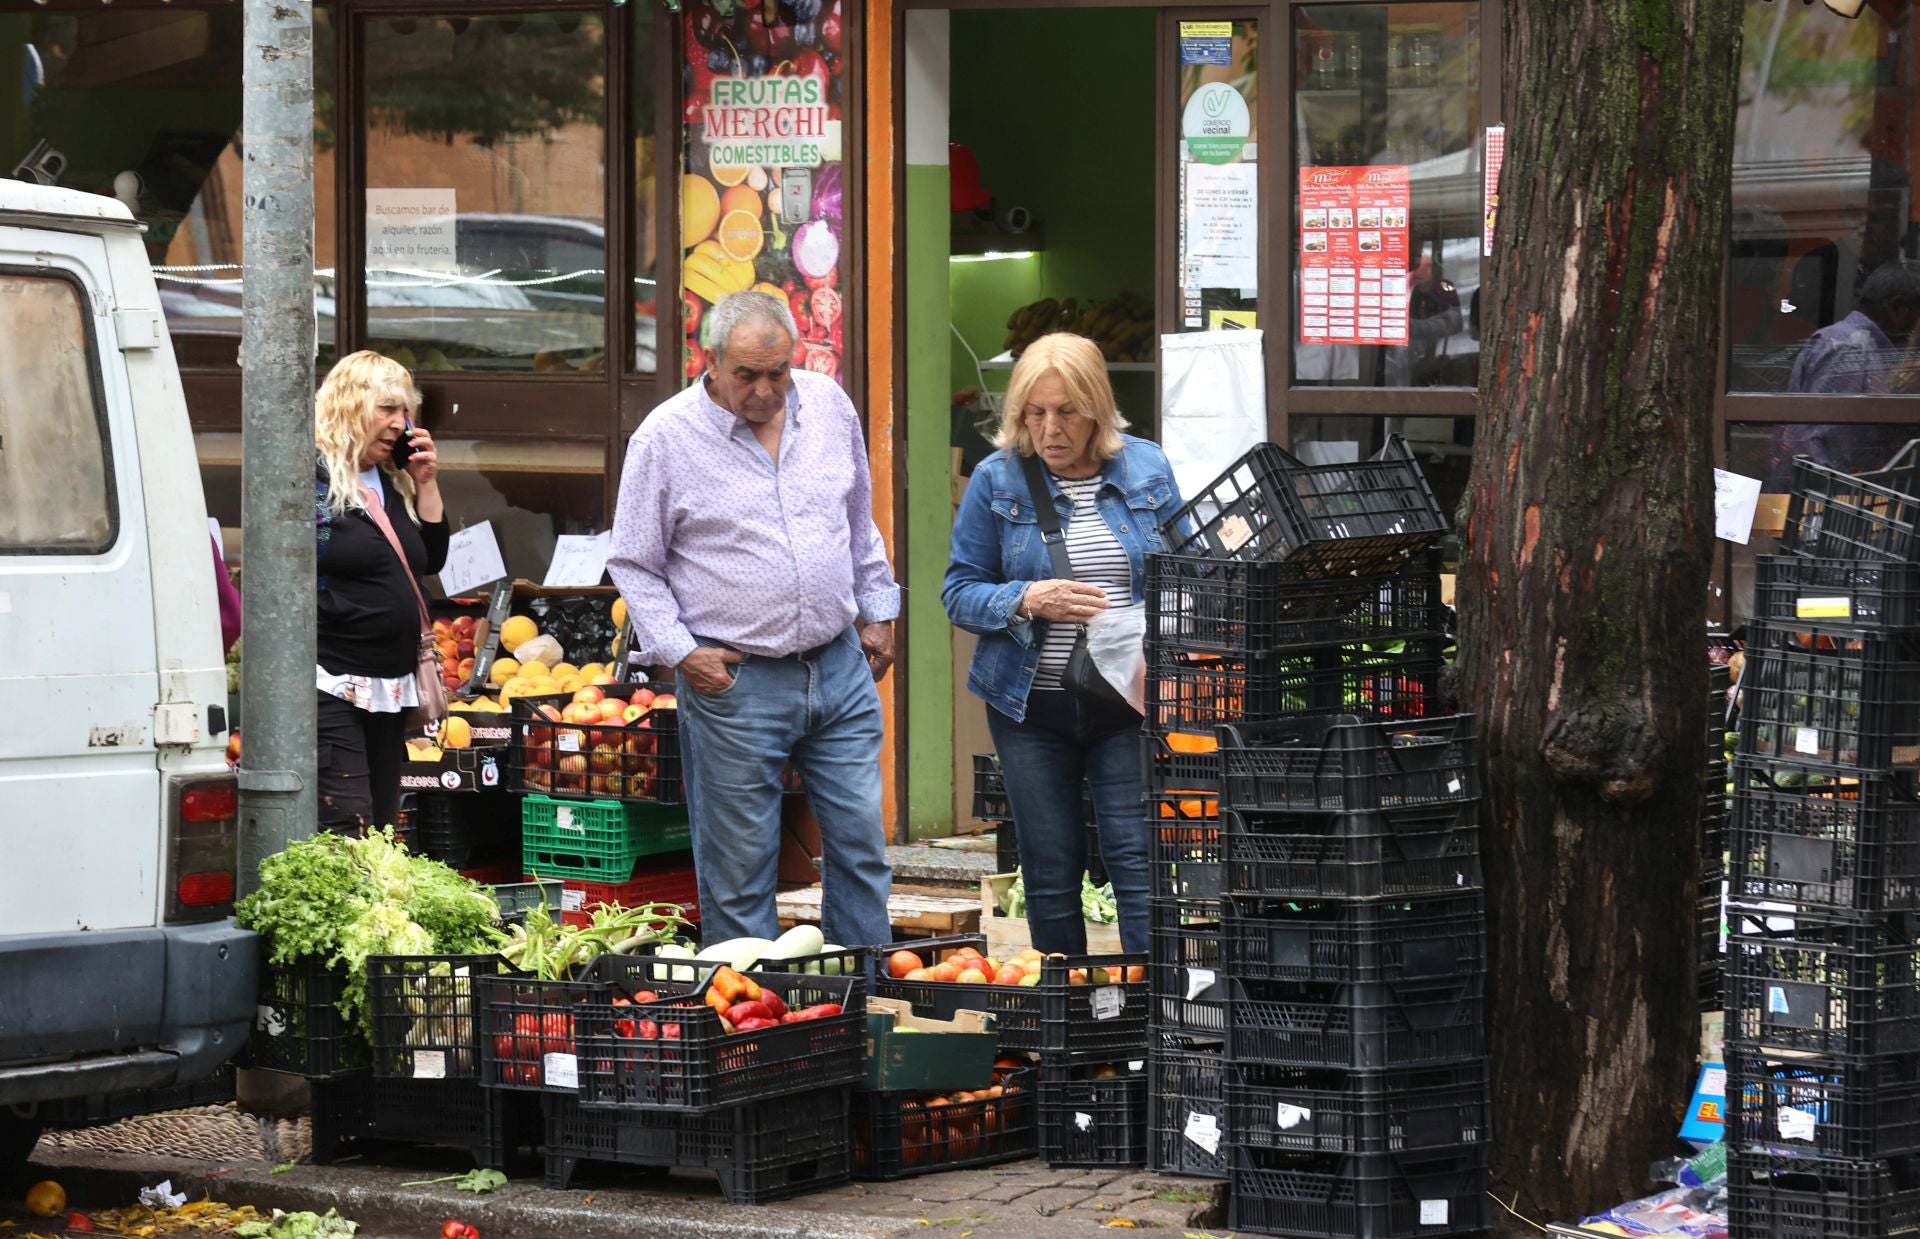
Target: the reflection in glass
(144, 106)
(486, 236)
(1386, 85)
(645, 260)
(1823, 198)
(1444, 446)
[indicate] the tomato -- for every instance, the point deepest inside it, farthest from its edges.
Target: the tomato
(79, 1221)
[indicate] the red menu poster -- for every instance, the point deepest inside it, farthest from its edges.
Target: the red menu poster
(1353, 255)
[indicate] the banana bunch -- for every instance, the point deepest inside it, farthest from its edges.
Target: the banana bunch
(711, 273)
(1122, 326)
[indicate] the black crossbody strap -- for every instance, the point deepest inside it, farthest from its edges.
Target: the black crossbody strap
(1048, 516)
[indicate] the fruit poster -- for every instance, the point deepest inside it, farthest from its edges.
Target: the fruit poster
(762, 198)
(1353, 255)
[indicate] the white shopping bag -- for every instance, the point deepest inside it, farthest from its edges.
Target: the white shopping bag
(1213, 389)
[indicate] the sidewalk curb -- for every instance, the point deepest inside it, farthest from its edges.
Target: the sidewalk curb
(520, 1210)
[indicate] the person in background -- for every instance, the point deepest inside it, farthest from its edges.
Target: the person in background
(1112, 491)
(744, 544)
(1859, 353)
(368, 605)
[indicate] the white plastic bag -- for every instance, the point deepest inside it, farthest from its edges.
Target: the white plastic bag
(1116, 639)
(1213, 402)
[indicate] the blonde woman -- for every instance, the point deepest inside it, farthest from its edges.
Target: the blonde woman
(1111, 491)
(375, 471)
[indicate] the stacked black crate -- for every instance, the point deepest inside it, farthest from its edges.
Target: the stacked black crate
(1318, 929)
(1822, 978)
(1711, 900)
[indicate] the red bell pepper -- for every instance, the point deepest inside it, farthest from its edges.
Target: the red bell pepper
(748, 1011)
(771, 1001)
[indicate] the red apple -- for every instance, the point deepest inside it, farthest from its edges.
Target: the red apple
(642, 697)
(666, 701)
(463, 627)
(589, 695)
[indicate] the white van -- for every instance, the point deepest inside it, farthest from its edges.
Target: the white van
(120, 967)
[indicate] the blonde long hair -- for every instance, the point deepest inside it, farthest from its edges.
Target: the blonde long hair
(340, 425)
(1083, 372)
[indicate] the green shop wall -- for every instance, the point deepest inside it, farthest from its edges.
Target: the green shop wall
(1057, 105)
(929, 645)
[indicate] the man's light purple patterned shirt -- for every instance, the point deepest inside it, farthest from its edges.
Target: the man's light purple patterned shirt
(709, 538)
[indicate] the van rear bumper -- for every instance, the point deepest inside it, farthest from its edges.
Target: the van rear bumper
(83, 1014)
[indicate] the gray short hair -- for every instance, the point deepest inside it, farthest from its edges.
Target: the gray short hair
(1897, 279)
(744, 309)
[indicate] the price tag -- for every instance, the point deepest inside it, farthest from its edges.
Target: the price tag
(1806, 740)
(567, 741)
(572, 899)
(562, 1070)
(1433, 1213)
(1200, 980)
(1082, 1120)
(1823, 608)
(1204, 1130)
(1235, 533)
(429, 1064)
(1290, 1117)
(1797, 1125)
(579, 559)
(1108, 1002)
(1453, 786)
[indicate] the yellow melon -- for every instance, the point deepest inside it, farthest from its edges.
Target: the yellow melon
(699, 209)
(517, 631)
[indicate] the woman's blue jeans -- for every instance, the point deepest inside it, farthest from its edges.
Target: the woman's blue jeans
(1043, 760)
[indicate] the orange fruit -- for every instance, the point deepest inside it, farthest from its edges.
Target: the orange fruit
(741, 234)
(740, 198)
(699, 209)
(729, 176)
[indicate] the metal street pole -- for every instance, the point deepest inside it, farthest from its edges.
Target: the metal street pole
(277, 796)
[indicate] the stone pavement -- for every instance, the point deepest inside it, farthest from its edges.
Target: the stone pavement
(1017, 1200)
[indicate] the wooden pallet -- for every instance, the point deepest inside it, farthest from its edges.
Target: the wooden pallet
(913, 914)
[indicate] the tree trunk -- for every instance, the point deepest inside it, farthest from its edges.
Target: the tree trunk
(1589, 541)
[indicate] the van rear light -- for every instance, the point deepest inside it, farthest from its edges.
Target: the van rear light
(200, 890)
(210, 802)
(203, 847)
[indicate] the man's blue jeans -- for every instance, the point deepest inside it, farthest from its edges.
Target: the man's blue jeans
(825, 716)
(1043, 760)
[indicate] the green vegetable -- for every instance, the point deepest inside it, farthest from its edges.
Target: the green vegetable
(1096, 902)
(344, 899)
(479, 1182)
(554, 952)
(298, 1226)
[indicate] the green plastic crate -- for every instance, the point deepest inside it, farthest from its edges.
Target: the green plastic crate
(598, 840)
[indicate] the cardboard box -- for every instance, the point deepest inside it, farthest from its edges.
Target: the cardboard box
(944, 1055)
(1009, 935)
(1770, 515)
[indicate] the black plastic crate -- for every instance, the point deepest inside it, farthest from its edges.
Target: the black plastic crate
(1348, 763)
(340, 1110)
(1057, 1016)
(1826, 1107)
(1433, 938)
(297, 1023)
(900, 1135)
(1181, 762)
(516, 899)
(1187, 1107)
(1854, 593)
(1835, 515)
(1379, 1195)
(1364, 1026)
(493, 1125)
(638, 761)
(1186, 848)
(1185, 973)
(1418, 850)
(527, 1030)
(1225, 606)
(1195, 692)
(422, 1010)
(463, 830)
(758, 1153)
(674, 1055)
(990, 802)
(1822, 987)
(1320, 1111)
(1773, 1196)
(1833, 849)
(1710, 931)
(1365, 516)
(1810, 694)
(1094, 1114)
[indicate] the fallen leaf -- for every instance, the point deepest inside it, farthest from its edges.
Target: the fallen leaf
(1121, 1222)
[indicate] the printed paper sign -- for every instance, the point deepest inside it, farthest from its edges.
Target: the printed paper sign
(1353, 254)
(1223, 226)
(1735, 498)
(1204, 1130)
(1216, 123)
(1108, 1001)
(562, 1070)
(1496, 158)
(1206, 43)
(579, 560)
(769, 122)
(411, 228)
(473, 560)
(429, 1064)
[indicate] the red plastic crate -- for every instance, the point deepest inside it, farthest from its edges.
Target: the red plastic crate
(655, 882)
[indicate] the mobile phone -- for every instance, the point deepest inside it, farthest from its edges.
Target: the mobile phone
(403, 450)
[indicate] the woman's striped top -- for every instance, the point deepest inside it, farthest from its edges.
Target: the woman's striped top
(1098, 558)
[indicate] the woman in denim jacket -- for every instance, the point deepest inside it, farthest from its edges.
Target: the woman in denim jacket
(1111, 491)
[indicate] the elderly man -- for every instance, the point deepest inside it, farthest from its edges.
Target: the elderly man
(745, 547)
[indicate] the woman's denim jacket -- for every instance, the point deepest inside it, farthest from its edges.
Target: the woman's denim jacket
(998, 552)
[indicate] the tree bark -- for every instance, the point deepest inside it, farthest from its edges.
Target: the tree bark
(1588, 546)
